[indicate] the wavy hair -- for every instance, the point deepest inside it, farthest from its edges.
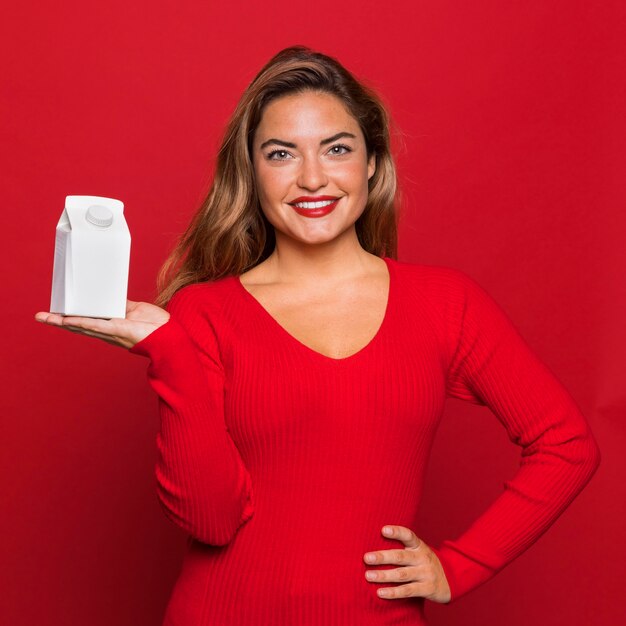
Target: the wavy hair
(229, 233)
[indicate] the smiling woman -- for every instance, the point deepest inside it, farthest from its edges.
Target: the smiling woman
(341, 170)
(304, 127)
(302, 371)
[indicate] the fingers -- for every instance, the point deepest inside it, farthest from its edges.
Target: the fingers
(417, 589)
(48, 318)
(92, 326)
(419, 569)
(419, 580)
(400, 574)
(403, 534)
(394, 557)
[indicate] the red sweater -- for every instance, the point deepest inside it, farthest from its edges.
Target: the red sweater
(283, 464)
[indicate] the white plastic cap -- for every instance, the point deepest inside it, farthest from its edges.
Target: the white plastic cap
(99, 215)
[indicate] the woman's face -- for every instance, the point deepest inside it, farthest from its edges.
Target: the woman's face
(308, 146)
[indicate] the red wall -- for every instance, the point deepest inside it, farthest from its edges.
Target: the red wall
(513, 133)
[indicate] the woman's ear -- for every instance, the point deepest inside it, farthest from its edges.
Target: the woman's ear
(371, 165)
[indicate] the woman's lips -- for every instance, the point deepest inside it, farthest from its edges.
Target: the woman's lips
(320, 212)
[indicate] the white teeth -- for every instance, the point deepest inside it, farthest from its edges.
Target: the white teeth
(313, 205)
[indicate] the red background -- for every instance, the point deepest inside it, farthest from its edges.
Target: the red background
(513, 130)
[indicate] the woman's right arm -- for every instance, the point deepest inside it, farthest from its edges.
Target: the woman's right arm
(202, 483)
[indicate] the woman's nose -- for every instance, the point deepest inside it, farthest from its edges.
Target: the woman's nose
(312, 174)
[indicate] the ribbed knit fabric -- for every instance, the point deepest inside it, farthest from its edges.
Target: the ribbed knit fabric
(283, 464)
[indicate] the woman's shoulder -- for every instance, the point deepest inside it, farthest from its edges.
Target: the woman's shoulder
(203, 297)
(434, 278)
(205, 288)
(446, 290)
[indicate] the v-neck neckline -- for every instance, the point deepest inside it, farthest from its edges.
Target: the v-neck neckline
(319, 355)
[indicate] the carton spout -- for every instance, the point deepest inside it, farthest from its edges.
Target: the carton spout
(99, 215)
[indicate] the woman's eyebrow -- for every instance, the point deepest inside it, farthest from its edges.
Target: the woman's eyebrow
(289, 144)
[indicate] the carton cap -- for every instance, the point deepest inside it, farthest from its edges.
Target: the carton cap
(99, 215)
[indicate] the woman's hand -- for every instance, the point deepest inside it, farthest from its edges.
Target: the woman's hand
(422, 571)
(141, 319)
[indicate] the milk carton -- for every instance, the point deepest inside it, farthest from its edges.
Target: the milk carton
(91, 258)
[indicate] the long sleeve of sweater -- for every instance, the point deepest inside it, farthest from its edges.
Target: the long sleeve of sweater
(202, 483)
(492, 365)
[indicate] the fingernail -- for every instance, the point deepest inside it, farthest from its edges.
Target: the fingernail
(387, 530)
(370, 558)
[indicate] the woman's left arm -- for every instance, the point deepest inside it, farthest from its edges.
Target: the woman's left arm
(491, 364)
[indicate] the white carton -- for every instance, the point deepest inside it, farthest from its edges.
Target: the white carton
(91, 258)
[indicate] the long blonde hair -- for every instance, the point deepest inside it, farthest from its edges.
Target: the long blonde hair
(229, 233)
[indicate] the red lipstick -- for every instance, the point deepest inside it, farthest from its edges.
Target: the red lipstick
(313, 198)
(318, 212)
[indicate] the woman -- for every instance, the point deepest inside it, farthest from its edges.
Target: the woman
(302, 370)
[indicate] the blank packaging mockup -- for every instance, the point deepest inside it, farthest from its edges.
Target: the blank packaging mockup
(91, 258)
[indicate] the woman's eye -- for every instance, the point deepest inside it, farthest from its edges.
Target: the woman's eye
(281, 152)
(341, 146)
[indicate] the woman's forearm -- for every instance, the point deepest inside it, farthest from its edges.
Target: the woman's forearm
(202, 483)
